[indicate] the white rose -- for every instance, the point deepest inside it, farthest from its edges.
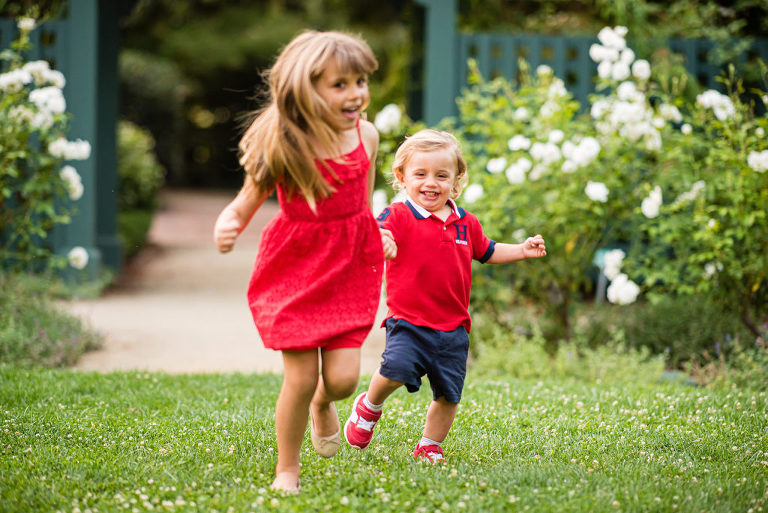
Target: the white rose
(515, 174)
(569, 166)
(597, 191)
(686, 129)
(641, 69)
(48, 99)
(26, 24)
(78, 257)
(521, 113)
(519, 142)
(612, 263)
(388, 118)
(620, 71)
(544, 71)
(611, 39)
(758, 161)
(473, 192)
(627, 56)
(496, 165)
(555, 136)
(650, 205)
(604, 69)
(524, 164)
(622, 291)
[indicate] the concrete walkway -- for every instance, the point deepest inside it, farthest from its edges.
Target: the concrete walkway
(180, 306)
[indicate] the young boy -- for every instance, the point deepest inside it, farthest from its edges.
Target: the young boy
(429, 243)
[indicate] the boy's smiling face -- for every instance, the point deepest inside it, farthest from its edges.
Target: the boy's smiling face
(428, 178)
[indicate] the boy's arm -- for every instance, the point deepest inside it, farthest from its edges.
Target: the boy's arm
(237, 214)
(533, 247)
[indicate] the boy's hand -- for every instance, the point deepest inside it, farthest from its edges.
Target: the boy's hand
(534, 247)
(388, 243)
(228, 227)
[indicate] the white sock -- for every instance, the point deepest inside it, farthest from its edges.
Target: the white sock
(428, 441)
(373, 407)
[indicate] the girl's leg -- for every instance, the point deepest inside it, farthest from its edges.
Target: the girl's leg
(341, 372)
(300, 370)
(439, 419)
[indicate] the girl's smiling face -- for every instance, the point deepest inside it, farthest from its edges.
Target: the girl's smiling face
(346, 95)
(428, 178)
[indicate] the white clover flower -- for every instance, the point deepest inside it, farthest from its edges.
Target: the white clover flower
(544, 71)
(596, 191)
(650, 205)
(26, 24)
(48, 99)
(15, 80)
(555, 136)
(620, 71)
(521, 113)
(641, 69)
(72, 181)
(686, 129)
(473, 193)
(569, 166)
(378, 202)
(758, 161)
(622, 290)
(515, 174)
(612, 262)
(611, 38)
(78, 257)
(388, 118)
(496, 165)
(670, 113)
(627, 56)
(519, 142)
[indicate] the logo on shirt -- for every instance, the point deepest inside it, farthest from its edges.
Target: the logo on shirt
(384, 215)
(461, 234)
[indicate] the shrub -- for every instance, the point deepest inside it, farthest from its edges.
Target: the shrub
(37, 191)
(33, 330)
(140, 178)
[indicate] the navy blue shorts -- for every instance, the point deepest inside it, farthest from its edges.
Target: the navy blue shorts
(414, 351)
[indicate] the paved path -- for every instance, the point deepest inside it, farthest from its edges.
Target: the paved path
(180, 307)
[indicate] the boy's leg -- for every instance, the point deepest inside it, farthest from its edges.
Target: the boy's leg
(300, 370)
(439, 419)
(366, 410)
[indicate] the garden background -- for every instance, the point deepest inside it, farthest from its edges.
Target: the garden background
(627, 372)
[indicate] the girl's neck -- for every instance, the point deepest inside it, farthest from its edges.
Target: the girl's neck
(347, 140)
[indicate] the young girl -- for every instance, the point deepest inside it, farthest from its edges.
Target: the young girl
(431, 243)
(317, 278)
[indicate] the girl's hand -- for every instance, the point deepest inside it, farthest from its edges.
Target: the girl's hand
(388, 242)
(534, 247)
(228, 227)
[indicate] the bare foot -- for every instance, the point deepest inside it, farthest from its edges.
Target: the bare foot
(287, 482)
(325, 419)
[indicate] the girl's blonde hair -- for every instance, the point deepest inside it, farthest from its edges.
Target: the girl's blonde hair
(429, 140)
(278, 145)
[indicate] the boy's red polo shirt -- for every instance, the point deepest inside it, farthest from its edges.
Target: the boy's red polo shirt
(429, 281)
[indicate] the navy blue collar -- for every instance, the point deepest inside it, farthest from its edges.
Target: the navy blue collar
(420, 212)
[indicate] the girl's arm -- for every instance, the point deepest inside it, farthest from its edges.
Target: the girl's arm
(371, 142)
(236, 216)
(533, 247)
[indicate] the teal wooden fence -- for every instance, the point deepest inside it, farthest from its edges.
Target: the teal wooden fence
(84, 48)
(446, 52)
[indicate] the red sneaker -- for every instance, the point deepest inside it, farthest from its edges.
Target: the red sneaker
(432, 453)
(358, 429)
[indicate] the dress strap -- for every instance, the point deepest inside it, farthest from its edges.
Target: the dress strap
(359, 134)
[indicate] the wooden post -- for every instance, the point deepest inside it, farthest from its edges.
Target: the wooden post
(440, 75)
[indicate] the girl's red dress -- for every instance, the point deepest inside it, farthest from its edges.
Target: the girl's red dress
(317, 277)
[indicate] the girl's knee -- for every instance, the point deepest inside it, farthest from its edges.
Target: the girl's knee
(340, 386)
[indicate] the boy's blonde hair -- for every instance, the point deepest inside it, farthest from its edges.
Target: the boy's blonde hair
(429, 140)
(278, 146)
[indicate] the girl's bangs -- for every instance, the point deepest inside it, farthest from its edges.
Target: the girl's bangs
(354, 59)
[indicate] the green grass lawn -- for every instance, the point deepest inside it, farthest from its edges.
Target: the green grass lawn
(72, 441)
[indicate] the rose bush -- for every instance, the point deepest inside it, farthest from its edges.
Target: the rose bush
(37, 191)
(682, 188)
